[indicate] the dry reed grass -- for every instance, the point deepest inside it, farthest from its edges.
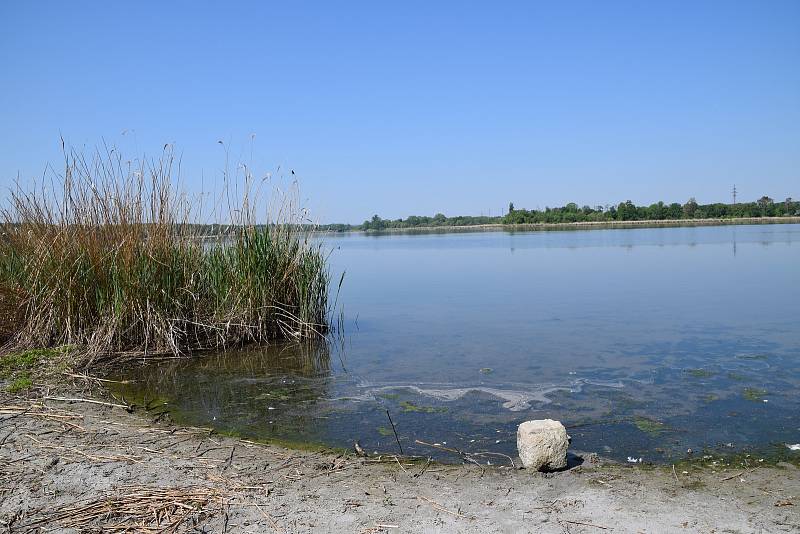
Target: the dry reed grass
(139, 509)
(108, 257)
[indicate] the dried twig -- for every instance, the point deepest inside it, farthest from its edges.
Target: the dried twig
(90, 401)
(397, 439)
(737, 474)
(441, 508)
(585, 524)
(138, 508)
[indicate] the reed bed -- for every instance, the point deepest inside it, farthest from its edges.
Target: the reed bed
(108, 256)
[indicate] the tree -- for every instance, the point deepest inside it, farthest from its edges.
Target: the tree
(510, 207)
(764, 203)
(626, 211)
(690, 208)
(375, 224)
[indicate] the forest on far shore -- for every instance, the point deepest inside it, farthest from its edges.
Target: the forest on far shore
(624, 211)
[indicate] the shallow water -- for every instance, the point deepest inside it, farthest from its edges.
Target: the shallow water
(644, 342)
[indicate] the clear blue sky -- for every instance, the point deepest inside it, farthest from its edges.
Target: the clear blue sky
(419, 107)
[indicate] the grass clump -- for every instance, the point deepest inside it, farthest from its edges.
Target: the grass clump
(108, 258)
(17, 367)
(20, 384)
(29, 359)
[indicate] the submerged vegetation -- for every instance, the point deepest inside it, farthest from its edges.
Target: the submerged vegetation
(754, 394)
(649, 426)
(699, 373)
(106, 257)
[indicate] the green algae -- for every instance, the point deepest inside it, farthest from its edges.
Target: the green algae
(410, 407)
(754, 394)
(649, 426)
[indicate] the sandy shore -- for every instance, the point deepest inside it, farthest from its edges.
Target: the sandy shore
(78, 466)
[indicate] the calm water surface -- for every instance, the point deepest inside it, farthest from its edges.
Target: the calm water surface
(644, 342)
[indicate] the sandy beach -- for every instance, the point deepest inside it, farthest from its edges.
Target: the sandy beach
(79, 466)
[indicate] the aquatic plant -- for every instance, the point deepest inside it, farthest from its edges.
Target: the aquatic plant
(700, 373)
(106, 256)
(408, 406)
(649, 426)
(754, 394)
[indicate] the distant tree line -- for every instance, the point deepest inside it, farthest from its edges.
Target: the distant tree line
(624, 211)
(628, 211)
(418, 221)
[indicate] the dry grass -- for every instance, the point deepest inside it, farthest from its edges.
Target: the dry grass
(139, 509)
(107, 257)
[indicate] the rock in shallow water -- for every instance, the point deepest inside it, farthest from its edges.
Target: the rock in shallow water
(542, 444)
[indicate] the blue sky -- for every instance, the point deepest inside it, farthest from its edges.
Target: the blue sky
(419, 107)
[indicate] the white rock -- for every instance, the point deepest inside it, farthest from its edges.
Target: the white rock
(542, 444)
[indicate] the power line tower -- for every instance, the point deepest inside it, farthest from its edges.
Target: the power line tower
(734, 193)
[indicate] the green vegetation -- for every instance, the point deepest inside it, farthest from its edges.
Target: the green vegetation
(416, 221)
(628, 211)
(572, 213)
(383, 431)
(700, 373)
(752, 357)
(754, 394)
(107, 258)
(17, 367)
(408, 406)
(19, 384)
(649, 426)
(21, 361)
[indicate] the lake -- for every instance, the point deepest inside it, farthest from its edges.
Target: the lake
(644, 342)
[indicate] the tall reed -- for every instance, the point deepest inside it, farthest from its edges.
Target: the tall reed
(107, 256)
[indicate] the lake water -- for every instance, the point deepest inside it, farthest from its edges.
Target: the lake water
(644, 342)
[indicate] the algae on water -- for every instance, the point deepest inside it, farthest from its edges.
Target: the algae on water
(649, 426)
(409, 406)
(700, 373)
(754, 394)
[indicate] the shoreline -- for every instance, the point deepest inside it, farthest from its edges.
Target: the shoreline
(587, 225)
(64, 461)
